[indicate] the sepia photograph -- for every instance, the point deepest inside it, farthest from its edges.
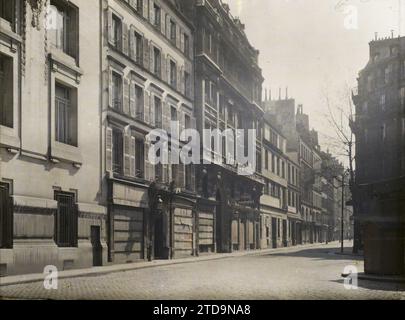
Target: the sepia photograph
(228, 151)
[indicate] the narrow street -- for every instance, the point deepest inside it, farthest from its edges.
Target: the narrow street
(294, 273)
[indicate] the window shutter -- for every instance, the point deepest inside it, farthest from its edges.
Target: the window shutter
(149, 168)
(162, 23)
(132, 100)
(108, 149)
(152, 59)
(164, 68)
(132, 155)
(180, 79)
(167, 26)
(192, 171)
(166, 116)
(152, 12)
(109, 27)
(182, 40)
(152, 110)
(178, 36)
(132, 44)
(125, 38)
(110, 87)
(146, 107)
(146, 58)
(145, 9)
(127, 155)
(181, 176)
(126, 96)
(167, 68)
(182, 121)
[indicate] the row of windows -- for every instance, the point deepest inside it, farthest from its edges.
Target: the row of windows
(128, 155)
(219, 107)
(277, 164)
(148, 55)
(384, 100)
(383, 132)
(292, 199)
(306, 154)
(130, 98)
(227, 60)
(383, 76)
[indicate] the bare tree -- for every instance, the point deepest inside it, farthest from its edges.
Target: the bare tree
(340, 115)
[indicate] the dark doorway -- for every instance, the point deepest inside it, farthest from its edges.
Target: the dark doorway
(274, 232)
(96, 244)
(218, 222)
(159, 243)
(285, 244)
(6, 217)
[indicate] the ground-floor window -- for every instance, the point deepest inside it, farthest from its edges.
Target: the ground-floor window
(66, 220)
(6, 217)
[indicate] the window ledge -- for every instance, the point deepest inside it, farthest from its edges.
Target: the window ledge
(61, 61)
(5, 28)
(8, 138)
(66, 153)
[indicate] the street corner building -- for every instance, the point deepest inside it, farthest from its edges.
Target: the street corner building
(50, 200)
(379, 126)
(83, 83)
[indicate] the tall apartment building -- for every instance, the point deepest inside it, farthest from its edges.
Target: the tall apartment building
(228, 84)
(148, 82)
(303, 151)
(50, 212)
(379, 126)
(277, 199)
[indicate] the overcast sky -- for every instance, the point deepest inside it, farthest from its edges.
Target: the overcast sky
(308, 45)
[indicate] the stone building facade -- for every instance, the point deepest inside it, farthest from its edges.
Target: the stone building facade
(274, 201)
(379, 126)
(49, 136)
(228, 84)
(147, 83)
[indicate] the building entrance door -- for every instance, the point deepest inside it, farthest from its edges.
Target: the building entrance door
(159, 239)
(96, 244)
(274, 232)
(285, 233)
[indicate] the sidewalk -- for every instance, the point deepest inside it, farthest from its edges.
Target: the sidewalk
(95, 271)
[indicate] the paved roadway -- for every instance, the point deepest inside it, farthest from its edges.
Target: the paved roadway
(293, 273)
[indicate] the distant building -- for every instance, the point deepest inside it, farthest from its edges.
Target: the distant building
(379, 126)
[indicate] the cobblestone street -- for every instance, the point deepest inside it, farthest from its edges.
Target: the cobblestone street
(294, 273)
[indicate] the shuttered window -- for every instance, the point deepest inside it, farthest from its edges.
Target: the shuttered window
(139, 159)
(117, 91)
(6, 217)
(116, 33)
(117, 150)
(66, 220)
